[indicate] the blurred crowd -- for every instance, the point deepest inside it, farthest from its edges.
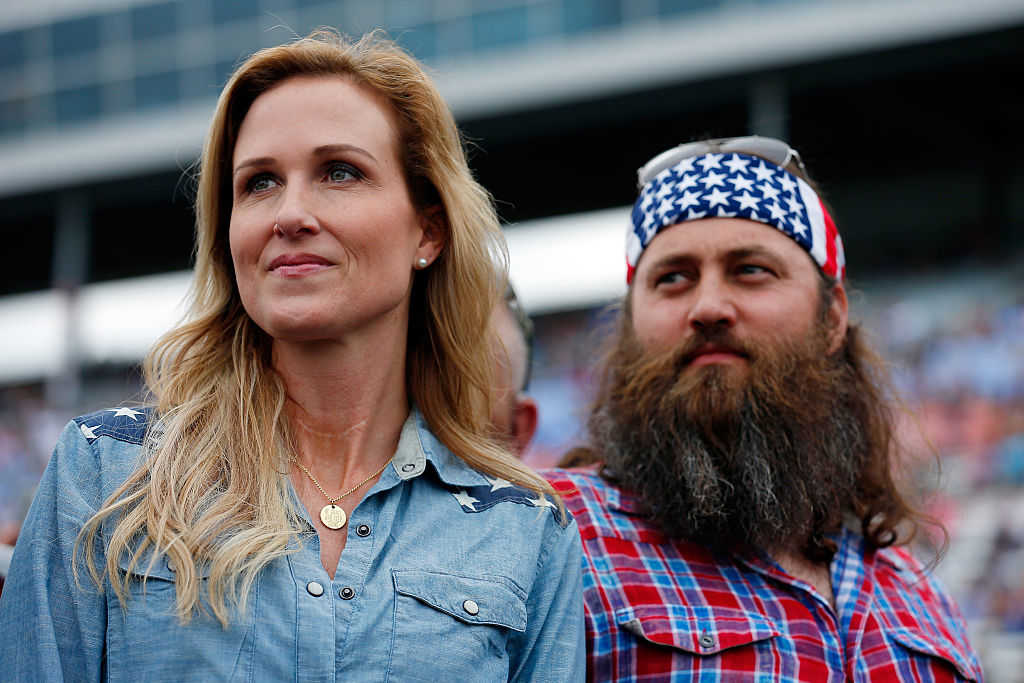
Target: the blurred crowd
(957, 353)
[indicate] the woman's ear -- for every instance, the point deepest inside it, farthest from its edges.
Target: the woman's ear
(838, 318)
(434, 223)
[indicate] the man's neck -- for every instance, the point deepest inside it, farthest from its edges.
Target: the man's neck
(816, 574)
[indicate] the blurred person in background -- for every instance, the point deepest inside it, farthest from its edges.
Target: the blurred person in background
(743, 519)
(330, 379)
(513, 412)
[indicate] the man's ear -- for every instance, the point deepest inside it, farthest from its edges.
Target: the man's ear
(524, 423)
(434, 223)
(837, 318)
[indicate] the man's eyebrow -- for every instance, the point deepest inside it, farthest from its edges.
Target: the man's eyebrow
(322, 150)
(752, 251)
(677, 259)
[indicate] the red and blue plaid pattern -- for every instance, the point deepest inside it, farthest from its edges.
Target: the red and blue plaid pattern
(663, 610)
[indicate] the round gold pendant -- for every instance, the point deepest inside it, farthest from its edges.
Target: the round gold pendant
(333, 516)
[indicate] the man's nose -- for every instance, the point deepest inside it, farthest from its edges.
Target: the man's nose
(713, 305)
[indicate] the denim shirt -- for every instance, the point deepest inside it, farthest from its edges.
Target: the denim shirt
(447, 575)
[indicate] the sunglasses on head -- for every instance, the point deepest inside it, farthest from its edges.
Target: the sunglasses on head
(776, 151)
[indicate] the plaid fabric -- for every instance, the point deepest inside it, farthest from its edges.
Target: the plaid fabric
(662, 610)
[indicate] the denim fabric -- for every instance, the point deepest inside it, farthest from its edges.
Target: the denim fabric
(461, 577)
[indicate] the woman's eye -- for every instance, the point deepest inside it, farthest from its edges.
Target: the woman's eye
(340, 173)
(260, 182)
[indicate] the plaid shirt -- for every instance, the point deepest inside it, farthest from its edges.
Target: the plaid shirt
(663, 610)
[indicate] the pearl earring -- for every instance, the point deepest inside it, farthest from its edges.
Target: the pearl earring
(422, 263)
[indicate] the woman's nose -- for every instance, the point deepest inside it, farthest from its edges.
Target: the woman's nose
(295, 216)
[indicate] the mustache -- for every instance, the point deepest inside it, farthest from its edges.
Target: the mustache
(711, 337)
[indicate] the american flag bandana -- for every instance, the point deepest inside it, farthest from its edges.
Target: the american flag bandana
(735, 185)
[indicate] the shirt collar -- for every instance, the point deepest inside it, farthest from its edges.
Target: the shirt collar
(623, 501)
(417, 446)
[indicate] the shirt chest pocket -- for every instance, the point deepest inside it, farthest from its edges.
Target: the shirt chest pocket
(139, 636)
(925, 650)
(703, 631)
(451, 627)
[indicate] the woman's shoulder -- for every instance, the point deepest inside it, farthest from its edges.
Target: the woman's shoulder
(122, 424)
(107, 442)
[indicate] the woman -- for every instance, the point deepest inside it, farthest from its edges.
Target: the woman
(314, 493)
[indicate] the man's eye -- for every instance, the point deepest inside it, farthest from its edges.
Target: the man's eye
(340, 173)
(672, 278)
(752, 269)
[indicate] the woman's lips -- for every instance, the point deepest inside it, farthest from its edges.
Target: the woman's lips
(297, 265)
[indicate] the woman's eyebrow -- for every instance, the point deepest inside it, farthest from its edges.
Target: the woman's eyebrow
(335, 149)
(257, 161)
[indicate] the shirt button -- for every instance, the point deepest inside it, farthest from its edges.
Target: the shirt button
(363, 530)
(707, 640)
(471, 607)
(408, 467)
(314, 589)
(346, 593)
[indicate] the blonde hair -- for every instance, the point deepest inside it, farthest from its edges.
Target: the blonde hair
(212, 490)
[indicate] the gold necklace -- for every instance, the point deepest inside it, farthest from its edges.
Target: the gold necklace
(332, 515)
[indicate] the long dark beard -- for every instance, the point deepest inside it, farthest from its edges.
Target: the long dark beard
(735, 460)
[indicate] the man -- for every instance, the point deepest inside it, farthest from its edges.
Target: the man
(513, 413)
(744, 523)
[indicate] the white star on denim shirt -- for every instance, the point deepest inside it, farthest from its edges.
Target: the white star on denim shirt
(541, 501)
(466, 500)
(125, 412)
(87, 431)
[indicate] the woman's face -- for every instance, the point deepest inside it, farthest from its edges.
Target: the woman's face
(323, 232)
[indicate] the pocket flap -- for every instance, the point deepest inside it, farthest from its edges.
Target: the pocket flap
(699, 631)
(162, 569)
(473, 600)
(935, 645)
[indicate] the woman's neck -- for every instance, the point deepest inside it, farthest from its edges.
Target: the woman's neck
(346, 401)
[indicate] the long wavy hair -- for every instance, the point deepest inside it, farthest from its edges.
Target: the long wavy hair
(211, 493)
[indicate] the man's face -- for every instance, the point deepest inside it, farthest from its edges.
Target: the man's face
(727, 288)
(513, 415)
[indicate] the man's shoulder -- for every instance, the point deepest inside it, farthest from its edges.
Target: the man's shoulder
(581, 487)
(899, 572)
(600, 508)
